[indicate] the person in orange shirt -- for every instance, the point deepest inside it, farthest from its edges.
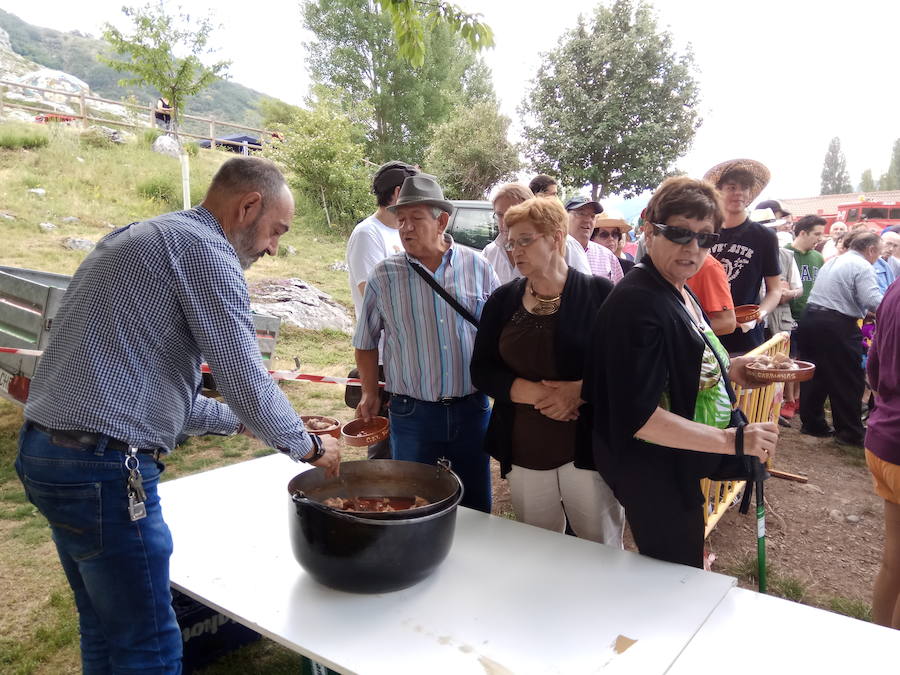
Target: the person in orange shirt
(710, 285)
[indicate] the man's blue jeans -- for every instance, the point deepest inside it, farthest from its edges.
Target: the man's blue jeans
(422, 431)
(118, 569)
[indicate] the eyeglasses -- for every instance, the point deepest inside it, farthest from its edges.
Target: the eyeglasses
(522, 242)
(679, 235)
(607, 234)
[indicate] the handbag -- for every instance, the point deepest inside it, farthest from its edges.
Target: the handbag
(441, 291)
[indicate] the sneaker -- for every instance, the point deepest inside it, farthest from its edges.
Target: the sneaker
(818, 433)
(788, 409)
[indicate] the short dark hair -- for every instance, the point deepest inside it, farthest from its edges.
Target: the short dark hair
(683, 196)
(249, 174)
(806, 223)
(541, 182)
(860, 241)
(740, 176)
(388, 178)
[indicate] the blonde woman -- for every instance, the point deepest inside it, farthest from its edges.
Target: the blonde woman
(529, 356)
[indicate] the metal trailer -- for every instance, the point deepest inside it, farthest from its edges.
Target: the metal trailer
(29, 299)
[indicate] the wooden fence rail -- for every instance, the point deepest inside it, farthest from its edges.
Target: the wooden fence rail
(150, 110)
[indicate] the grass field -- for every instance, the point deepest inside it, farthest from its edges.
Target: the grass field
(90, 187)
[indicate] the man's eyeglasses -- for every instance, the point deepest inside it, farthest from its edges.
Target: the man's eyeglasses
(679, 235)
(524, 241)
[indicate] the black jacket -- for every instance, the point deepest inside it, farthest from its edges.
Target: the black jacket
(582, 296)
(643, 344)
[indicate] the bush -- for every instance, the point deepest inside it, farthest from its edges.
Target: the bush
(22, 138)
(94, 138)
(162, 189)
(191, 149)
(149, 136)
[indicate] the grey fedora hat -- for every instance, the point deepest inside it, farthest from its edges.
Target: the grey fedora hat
(422, 189)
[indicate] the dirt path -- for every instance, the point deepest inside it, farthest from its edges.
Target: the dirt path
(824, 537)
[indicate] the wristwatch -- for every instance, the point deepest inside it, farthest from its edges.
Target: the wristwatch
(317, 447)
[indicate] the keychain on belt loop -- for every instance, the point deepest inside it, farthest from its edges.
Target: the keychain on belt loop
(137, 509)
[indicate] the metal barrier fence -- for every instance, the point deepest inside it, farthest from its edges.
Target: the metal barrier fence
(761, 404)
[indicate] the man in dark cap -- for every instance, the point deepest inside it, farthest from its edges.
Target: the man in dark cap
(602, 261)
(373, 240)
(435, 410)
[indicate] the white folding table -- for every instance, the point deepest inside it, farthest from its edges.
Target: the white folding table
(509, 598)
(754, 634)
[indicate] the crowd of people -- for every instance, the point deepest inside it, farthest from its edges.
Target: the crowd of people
(610, 372)
(611, 377)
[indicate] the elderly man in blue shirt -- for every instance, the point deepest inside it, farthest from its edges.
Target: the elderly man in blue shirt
(434, 409)
(846, 290)
(119, 384)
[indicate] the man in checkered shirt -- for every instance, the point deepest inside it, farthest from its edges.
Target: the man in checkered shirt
(121, 374)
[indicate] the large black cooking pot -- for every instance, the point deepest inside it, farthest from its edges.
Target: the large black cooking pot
(373, 553)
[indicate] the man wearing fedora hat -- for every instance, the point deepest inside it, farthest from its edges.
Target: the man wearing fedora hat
(747, 250)
(434, 409)
(371, 241)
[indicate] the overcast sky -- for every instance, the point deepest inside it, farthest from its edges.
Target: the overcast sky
(778, 78)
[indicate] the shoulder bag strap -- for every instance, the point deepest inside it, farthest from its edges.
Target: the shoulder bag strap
(441, 291)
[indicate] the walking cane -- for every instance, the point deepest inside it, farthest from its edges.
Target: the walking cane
(761, 532)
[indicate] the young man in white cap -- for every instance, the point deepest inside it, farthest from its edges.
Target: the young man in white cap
(747, 250)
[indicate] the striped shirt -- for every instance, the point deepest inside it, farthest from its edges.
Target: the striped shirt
(427, 344)
(603, 262)
(145, 308)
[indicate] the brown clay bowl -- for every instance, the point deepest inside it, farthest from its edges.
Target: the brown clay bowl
(746, 313)
(334, 428)
(360, 433)
(761, 375)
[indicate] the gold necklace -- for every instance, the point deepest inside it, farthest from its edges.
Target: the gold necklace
(545, 305)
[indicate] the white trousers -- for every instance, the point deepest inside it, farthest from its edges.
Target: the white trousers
(546, 498)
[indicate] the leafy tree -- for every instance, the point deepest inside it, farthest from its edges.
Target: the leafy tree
(867, 183)
(150, 52)
(614, 105)
(276, 113)
(324, 160)
(891, 179)
(467, 170)
(411, 18)
(355, 54)
(835, 179)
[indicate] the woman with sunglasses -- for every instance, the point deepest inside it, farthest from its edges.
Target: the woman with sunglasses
(656, 377)
(529, 356)
(610, 232)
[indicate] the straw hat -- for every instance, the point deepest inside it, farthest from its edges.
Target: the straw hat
(610, 222)
(756, 169)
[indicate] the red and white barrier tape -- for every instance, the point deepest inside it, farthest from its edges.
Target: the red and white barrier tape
(276, 374)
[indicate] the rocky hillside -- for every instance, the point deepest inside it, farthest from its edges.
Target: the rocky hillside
(25, 48)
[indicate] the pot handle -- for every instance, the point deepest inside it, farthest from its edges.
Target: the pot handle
(444, 464)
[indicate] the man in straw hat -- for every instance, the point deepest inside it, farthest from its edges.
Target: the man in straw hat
(747, 250)
(434, 410)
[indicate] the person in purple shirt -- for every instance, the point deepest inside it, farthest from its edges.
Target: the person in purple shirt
(883, 452)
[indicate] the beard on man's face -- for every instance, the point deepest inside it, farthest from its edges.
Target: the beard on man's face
(244, 242)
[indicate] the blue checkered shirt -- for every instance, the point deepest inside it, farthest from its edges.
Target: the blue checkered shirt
(147, 306)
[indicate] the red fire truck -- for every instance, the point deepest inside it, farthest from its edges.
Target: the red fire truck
(875, 213)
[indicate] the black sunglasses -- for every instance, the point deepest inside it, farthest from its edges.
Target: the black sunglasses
(679, 235)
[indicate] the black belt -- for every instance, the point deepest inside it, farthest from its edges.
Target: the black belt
(447, 400)
(827, 310)
(84, 440)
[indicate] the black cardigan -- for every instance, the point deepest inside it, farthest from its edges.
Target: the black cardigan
(642, 344)
(582, 296)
